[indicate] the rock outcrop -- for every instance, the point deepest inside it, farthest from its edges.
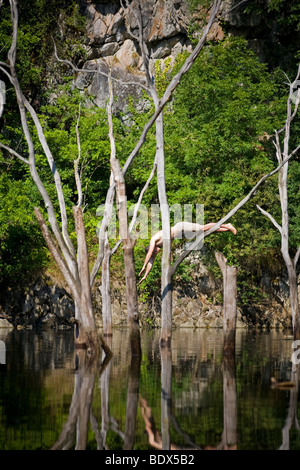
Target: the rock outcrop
(111, 32)
(43, 304)
(110, 42)
(197, 303)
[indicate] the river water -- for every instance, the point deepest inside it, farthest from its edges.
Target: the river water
(185, 397)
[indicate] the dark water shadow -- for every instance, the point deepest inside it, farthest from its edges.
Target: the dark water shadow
(147, 396)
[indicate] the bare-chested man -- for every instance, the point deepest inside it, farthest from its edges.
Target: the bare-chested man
(180, 230)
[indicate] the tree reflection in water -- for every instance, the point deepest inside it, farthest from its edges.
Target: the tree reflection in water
(291, 418)
(77, 425)
(81, 416)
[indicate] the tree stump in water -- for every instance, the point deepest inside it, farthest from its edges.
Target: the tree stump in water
(229, 303)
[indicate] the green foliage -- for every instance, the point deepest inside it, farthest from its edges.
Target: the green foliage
(21, 242)
(39, 21)
(22, 252)
(59, 121)
(218, 144)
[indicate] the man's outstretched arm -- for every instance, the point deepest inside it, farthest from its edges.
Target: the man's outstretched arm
(152, 246)
(148, 268)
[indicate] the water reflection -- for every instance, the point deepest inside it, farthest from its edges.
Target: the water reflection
(187, 396)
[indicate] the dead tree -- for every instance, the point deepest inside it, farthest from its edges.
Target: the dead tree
(134, 8)
(132, 389)
(75, 430)
(282, 151)
(2, 96)
(229, 274)
(127, 241)
(73, 265)
(229, 435)
(105, 290)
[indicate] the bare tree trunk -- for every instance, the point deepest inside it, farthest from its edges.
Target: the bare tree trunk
(294, 298)
(229, 436)
(166, 278)
(87, 335)
(166, 395)
(229, 303)
(128, 243)
(87, 326)
(102, 232)
(166, 273)
(75, 272)
(282, 154)
(105, 290)
(130, 277)
(133, 389)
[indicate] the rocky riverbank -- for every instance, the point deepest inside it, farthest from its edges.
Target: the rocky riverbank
(197, 303)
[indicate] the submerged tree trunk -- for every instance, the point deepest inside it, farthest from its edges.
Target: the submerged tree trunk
(294, 299)
(75, 271)
(87, 326)
(229, 303)
(86, 335)
(166, 271)
(133, 389)
(105, 290)
(229, 436)
(130, 277)
(166, 395)
(166, 278)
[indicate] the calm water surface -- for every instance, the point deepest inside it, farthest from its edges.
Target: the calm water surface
(185, 397)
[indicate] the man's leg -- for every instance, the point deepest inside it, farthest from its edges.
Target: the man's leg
(223, 227)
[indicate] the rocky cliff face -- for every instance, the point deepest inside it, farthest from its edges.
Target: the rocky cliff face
(165, 27)
(110, 43)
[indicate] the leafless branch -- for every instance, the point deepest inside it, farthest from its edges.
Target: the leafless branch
(237, 6)
(55, 172)
(136, 10)
(164, 100)
(137, 206)
(128, 29)
(291, 115)
(57, 254)
(296, 258)
(23, 105)
(76, 162)
(105, 223)
(198, 241)
(14, 153)
(83, 70)
(267, 214)
(173, 85)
